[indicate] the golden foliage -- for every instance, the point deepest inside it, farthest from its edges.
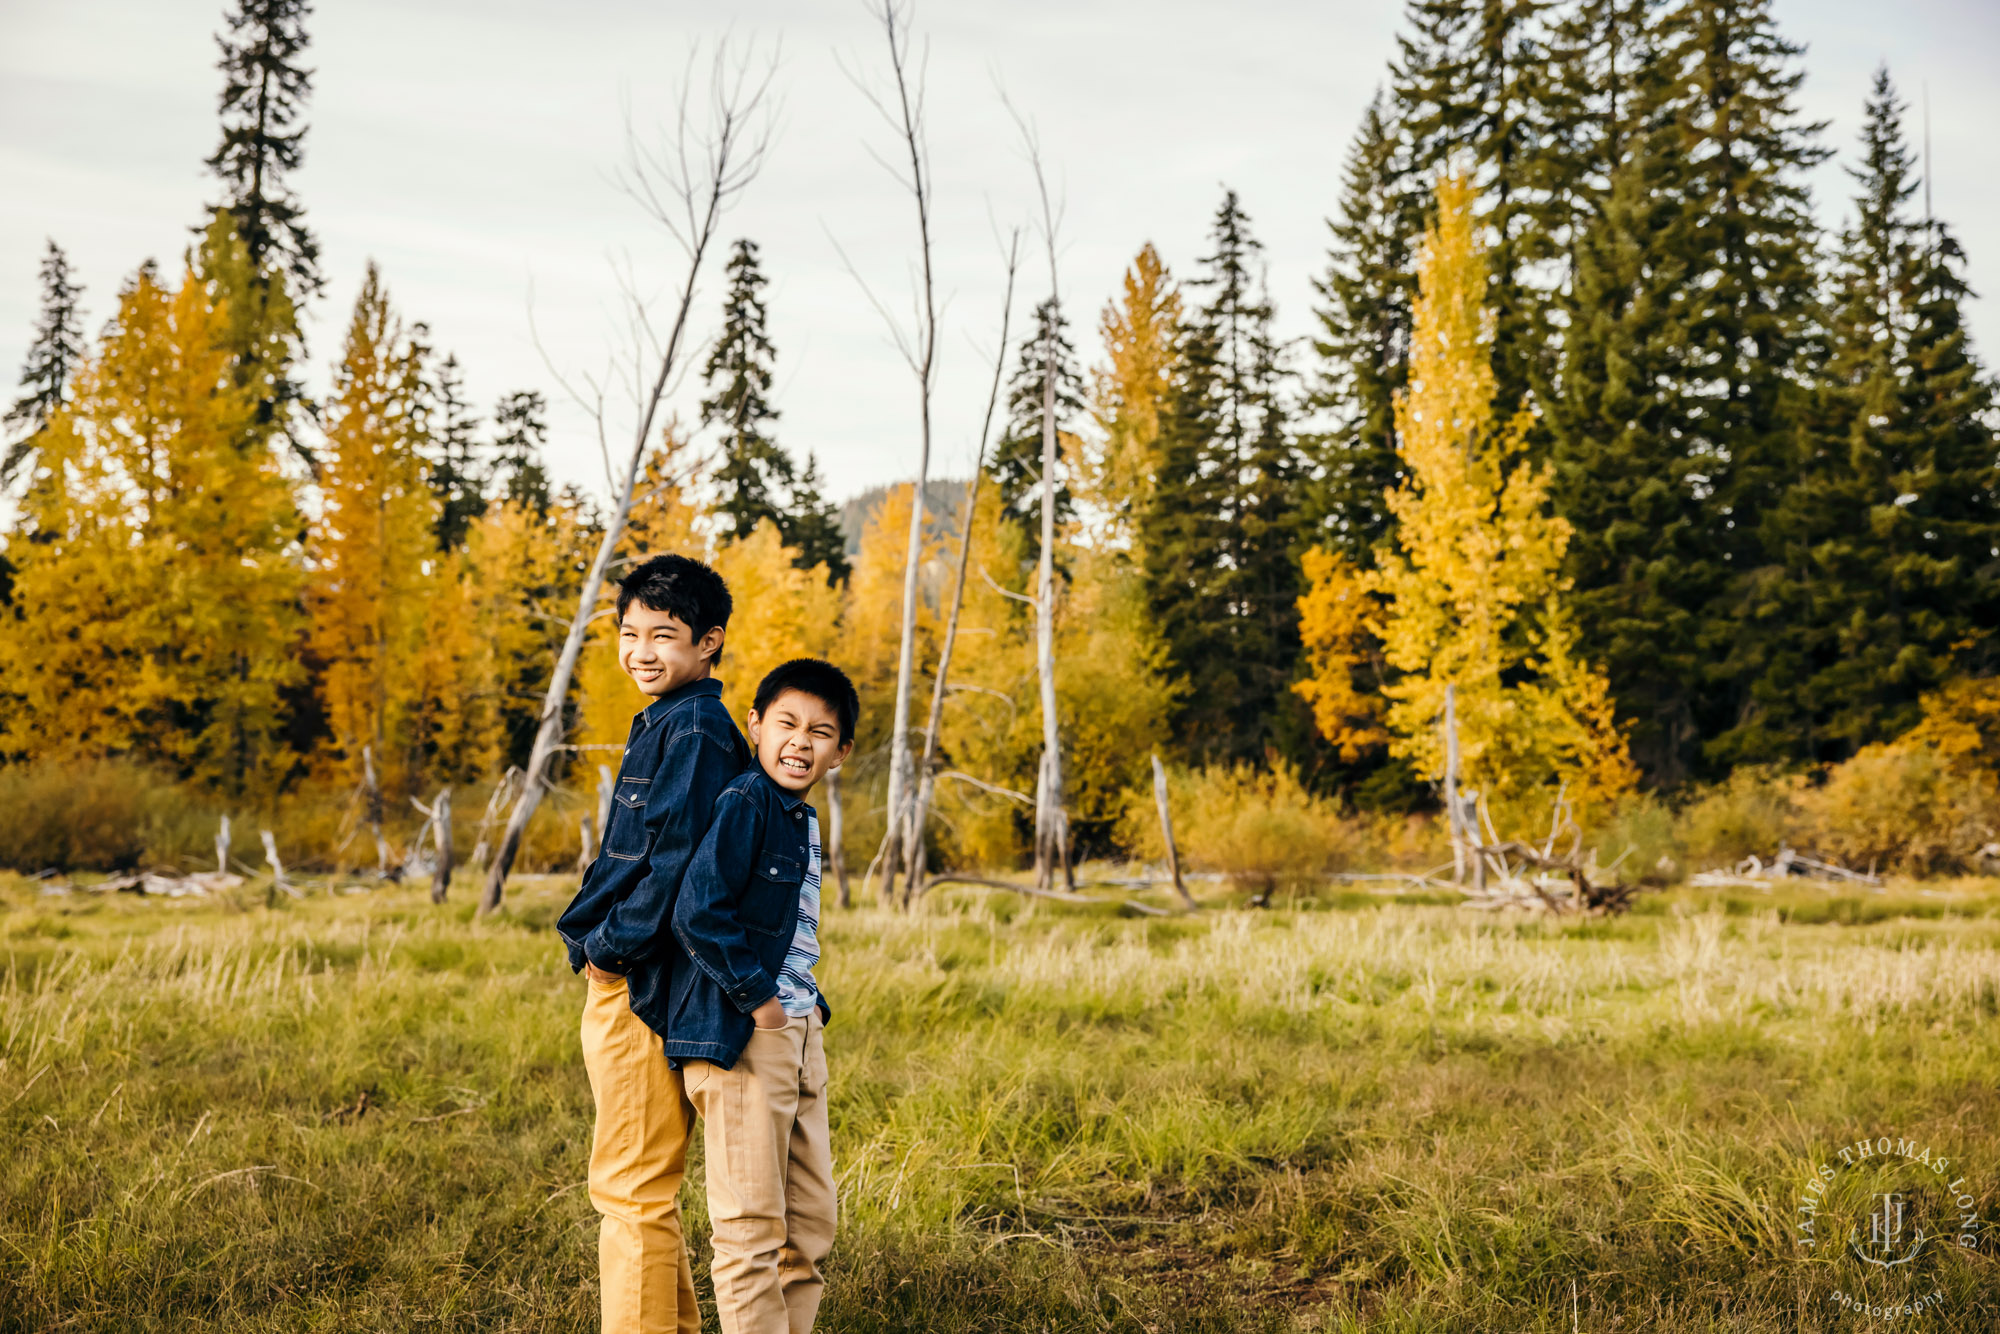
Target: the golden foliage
(781, 612)
(1141, 334)
(1337, 616)
(376, 566)
(1258, 826)
(156, 592)
(1473, 589)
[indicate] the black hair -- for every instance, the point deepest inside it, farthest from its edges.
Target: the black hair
(683, 588)
(818, 678)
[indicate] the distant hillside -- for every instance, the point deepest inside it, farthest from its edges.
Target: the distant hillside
(944, 499)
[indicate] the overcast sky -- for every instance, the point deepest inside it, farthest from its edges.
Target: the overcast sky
(469, 149)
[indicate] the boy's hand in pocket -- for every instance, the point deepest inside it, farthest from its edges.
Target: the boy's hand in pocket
(599, 976)
(769, 1015)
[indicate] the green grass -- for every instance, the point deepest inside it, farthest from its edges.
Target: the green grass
(1374, 1114)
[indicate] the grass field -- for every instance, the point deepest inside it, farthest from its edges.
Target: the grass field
(364, 1113)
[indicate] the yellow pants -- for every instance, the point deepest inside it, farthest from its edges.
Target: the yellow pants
(638, 1154)
(770, 1178)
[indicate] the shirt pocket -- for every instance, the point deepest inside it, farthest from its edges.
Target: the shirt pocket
(772, 894)
(625, 832)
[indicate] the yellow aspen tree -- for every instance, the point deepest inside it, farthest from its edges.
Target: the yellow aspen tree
(1337, 627)
(666, 518)
(158, 592)
(1472, 588)
(524, 566)
(374, 549)
(781, 612)
(872, 618)
(1141, 332)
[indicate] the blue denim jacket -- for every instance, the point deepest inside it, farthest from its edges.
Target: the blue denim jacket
(682, 752)
(734, 919)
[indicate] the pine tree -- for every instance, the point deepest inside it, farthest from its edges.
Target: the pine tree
(1678, 410)
(1364, 342)
(456, 473)
(1016, 464)
(812, 526)
(1888, 538)
(756, 474)
(52, 359)
(263, 133)
(520, 433)
(1219, 533)
(1468, 85)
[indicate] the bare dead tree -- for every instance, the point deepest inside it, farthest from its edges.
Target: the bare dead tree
(1051, 815)
(711, 155)
(1167, 831)
(903, 110)
(913, 849)
(438, 821)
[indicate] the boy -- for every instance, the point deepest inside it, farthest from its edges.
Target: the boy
(683, 750)
(747, 1013)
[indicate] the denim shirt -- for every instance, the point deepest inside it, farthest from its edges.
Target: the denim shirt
(734, 919)
(682, 752)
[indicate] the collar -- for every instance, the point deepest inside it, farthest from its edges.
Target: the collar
(678, 696)
(787, 798)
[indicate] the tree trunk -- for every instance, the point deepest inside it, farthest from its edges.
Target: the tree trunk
(1453, 816)
(441, 831)
(922, 359)
(835, 852)
(927, 784)
(222, 847)
(374, 790)
(1167, 831)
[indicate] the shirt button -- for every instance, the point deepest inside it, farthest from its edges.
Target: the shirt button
(773, 871)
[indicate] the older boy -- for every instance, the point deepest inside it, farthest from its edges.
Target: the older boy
(682, 752)
(747, 1013)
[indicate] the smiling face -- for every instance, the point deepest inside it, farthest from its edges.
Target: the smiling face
(797, 738)
(659, 653)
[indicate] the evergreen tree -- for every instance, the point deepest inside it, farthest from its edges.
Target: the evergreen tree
(1218, 535)
(455, 472)
(1676, 415)
(1364, 341)
(263, 133)
(520, 426)
(812, 526)
(756, 474)
(1016, 465)
(1888, 539)
(52, 359)
(1468, 84)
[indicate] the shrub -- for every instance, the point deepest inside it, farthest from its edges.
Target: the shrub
(1902, 807)
(1259, 827)
(1751, 813)
(97, 815)
(1638, 841)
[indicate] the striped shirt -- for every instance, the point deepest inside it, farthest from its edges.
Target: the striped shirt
(796, 990)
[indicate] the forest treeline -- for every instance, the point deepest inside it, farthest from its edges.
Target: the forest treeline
(1600, 426)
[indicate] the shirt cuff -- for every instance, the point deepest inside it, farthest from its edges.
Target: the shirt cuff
(749, 995)
(602, 957)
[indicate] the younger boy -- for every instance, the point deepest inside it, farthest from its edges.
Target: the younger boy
(683, 750)
(747, 1012)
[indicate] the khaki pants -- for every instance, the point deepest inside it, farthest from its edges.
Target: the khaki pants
(638, 1154)
(770, 1178)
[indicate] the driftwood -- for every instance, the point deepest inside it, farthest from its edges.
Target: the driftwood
(1754, 873)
